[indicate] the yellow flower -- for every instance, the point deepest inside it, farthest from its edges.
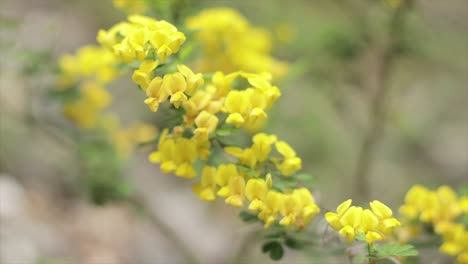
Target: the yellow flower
(271, 206)
(291, 163)
(206, 189)
(236, 188)
(262, 145)
(194, 81)
(206, 124)
(455, 237)
(140, 37)
(176, 155)
(298, 208)
(143, 76)
(255, 191)
(375, 224)
(86, 110)
(223, 176)
(91, 63)
(334, 218)
(309, 208)
(434, 207)
(229, 43)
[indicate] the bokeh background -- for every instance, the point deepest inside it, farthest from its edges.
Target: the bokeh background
(367, 126)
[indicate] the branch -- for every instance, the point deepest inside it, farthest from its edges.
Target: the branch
(378, 105)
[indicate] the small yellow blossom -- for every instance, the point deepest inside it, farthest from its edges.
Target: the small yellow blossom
(142, 76)
(229, 43)
(206, 189)
(236, 188)
(375, 224)
(176, 155)
(255, 191)
(271, 207)
(290, 162)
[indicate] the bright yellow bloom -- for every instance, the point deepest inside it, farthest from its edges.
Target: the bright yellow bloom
(247, 107)
(91, 63)
(193, 80)
(230, 43)
(177, 86)
(206, 124)
(262, 145)
(350, 220)
(255, 191)
(298, 208)
(435, 207)
(271, 207)
(206, 189)
(86, 111)
(455, 237)
(142, 36)
(309, 208)
(290, 162)
(236, 188)
(143, 75)
(176, 155)
(223, 175)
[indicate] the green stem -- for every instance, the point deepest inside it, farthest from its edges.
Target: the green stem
(371, 254)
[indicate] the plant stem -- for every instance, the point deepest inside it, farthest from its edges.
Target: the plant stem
(378, 105)
(371, 254)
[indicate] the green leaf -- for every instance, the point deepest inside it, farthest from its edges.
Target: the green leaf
(246, 169)
(225, 131)
(361, 236)
(67, 95)
(293, 243)
(248, 217)
(305, 177)
(396, 250)
(274, 248)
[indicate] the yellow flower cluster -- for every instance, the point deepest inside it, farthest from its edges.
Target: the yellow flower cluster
(87, 109)
(433, 207)
(441, 209)
(375, 223)
(176, 86)
(90, 62)
(140, 37)
(296, 207)
(256, 155)
(236, 100)
(230, 43)
(455, 244)
(89, 71)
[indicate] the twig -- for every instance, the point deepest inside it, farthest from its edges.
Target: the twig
(378, 108)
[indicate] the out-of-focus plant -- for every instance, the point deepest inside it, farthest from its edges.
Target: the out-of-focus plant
(210, 77)
(215, 80)
(440, 213)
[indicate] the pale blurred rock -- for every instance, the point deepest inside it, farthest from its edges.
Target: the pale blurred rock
(12, 199)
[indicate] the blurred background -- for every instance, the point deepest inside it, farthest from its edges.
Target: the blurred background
(374, 102)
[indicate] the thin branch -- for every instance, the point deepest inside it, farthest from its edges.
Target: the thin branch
(378, 105)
